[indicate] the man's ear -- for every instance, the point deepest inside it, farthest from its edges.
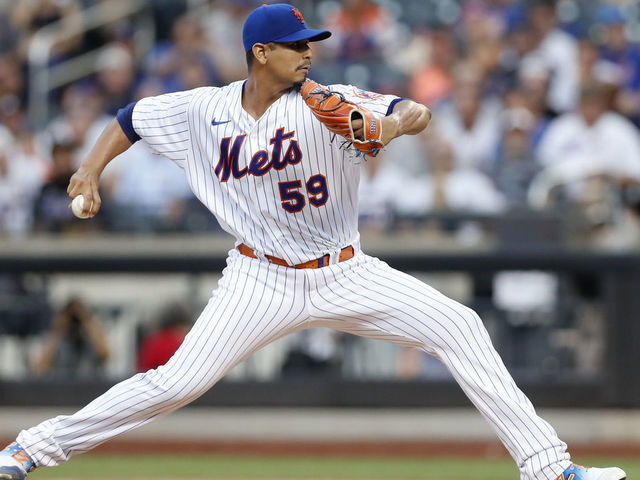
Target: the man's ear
(260, 52)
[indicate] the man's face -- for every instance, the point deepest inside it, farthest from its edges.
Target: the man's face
(543, 18)
(290, 62)
(615, 36)
(592, 108)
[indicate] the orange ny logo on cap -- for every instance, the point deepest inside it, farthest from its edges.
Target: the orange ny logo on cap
(298, 15)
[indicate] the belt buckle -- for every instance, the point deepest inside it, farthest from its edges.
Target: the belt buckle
(334, 257)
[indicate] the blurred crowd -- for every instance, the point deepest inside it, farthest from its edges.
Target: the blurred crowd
(536, 108)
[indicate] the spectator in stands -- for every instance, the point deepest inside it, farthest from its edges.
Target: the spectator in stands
(116, 77)
(187, 48)
(515, 165)
(158, 347)
(517, 43)
(532, 93)
(433, 81)
(74, 346)
(469, 121)
(588, 58)
(500, 15)
(559, 51)
(458, 188)
(10, 185)
(362, 31)
(592, 141)
(523, 96)
(27, 17)
(13, 116)
(625, 55)
(593, 68)
(12, 80)
(484, 24)
(223, 28)
(24, 168)
(81, 118)
(146, 192)
(192, 74)
(392, 185)
(25, 172)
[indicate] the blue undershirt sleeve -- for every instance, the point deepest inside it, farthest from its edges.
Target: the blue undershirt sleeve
(125, 119)
(393, 104)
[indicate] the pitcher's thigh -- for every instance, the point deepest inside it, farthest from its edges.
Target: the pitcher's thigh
(375, 300)
(254, 305)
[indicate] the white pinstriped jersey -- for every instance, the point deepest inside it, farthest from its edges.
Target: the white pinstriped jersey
(281, 184)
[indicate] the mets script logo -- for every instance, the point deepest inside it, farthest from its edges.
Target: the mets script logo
(261, 162)
(298, 15)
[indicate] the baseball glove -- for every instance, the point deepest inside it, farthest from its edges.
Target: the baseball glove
(337, 114)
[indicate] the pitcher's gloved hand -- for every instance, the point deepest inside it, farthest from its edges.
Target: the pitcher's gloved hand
(356, 124)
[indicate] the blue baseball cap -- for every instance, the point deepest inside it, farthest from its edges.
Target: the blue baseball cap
(278, 23)
(609, 15)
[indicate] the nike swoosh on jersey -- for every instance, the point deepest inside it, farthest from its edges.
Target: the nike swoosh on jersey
(214, 123)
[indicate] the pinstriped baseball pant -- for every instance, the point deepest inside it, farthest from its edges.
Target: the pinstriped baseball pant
(257, 302)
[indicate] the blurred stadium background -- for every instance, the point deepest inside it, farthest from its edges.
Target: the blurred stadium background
(522, 200)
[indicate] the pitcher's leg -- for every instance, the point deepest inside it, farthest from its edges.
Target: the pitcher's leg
(254, 304)
(371, 299)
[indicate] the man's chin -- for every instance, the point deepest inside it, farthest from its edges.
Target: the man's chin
(299, 79)
(298, 83)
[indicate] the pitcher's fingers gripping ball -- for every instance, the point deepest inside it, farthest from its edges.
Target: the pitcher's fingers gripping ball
(77, 207)
(337, 114)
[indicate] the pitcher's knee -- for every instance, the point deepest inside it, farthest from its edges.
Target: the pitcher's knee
(458, 327)
(462, 315)
(466, 323)
(472, 318)
(475, 325)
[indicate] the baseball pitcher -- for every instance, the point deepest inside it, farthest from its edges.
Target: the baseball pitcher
(272, 158)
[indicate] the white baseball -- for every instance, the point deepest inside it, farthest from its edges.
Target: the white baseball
(77, 205)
